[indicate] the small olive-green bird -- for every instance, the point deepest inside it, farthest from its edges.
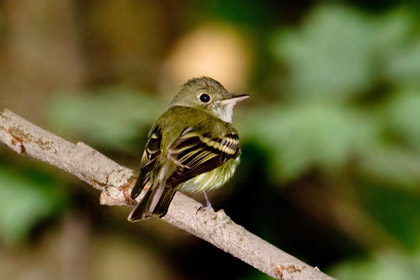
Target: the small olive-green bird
(192, 146)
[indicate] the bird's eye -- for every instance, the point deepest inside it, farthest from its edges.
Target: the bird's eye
(205, 98)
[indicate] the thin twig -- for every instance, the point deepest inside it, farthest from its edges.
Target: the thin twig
(115, 182)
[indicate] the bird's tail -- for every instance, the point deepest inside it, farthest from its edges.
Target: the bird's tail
(154, 203)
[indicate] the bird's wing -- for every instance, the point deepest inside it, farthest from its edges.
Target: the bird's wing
(196, 153)
(148, 160)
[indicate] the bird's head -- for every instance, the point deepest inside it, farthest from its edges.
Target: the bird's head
(208, 95)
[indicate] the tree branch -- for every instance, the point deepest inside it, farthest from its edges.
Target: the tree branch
(115, 183)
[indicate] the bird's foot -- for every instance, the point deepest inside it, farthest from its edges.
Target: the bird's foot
(207, 205)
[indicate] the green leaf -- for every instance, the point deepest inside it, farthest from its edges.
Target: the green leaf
(306, 136)
(339, 52)
(391, 34)
(392, 165)
(404, 115)
(24, 201)
(403, 65)
(330, 56)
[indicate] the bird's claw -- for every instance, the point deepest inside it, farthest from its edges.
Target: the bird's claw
(207, 205)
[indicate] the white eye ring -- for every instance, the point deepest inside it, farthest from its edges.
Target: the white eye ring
(204, 97)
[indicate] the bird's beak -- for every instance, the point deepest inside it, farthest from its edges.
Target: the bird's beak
(233, 99)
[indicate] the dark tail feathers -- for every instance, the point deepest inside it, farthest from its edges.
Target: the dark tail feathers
(154, 203)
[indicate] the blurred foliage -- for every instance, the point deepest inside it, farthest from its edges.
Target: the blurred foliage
(111, 117)
(382, 267)
(332, 61)
(331, 137)
(340, 53)
(404, 115)
(329, 57)
(392, 165)
(352, 100)
(398, 213)
(308, 135)
(25, 201)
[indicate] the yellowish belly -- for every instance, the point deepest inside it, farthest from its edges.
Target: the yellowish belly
(211, 180)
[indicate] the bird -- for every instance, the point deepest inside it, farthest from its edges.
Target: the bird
(191, 147)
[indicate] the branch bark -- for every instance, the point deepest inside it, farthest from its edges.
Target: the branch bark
(115, 183)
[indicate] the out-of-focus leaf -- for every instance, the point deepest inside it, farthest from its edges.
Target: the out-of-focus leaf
(381, 267)
(110, 118)
(391, 34)
(339, 52)
(404, 66)
(396, 210)
(24, 201)
(396, 166)
(404, 115)
(330, 56)
(302, 137)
